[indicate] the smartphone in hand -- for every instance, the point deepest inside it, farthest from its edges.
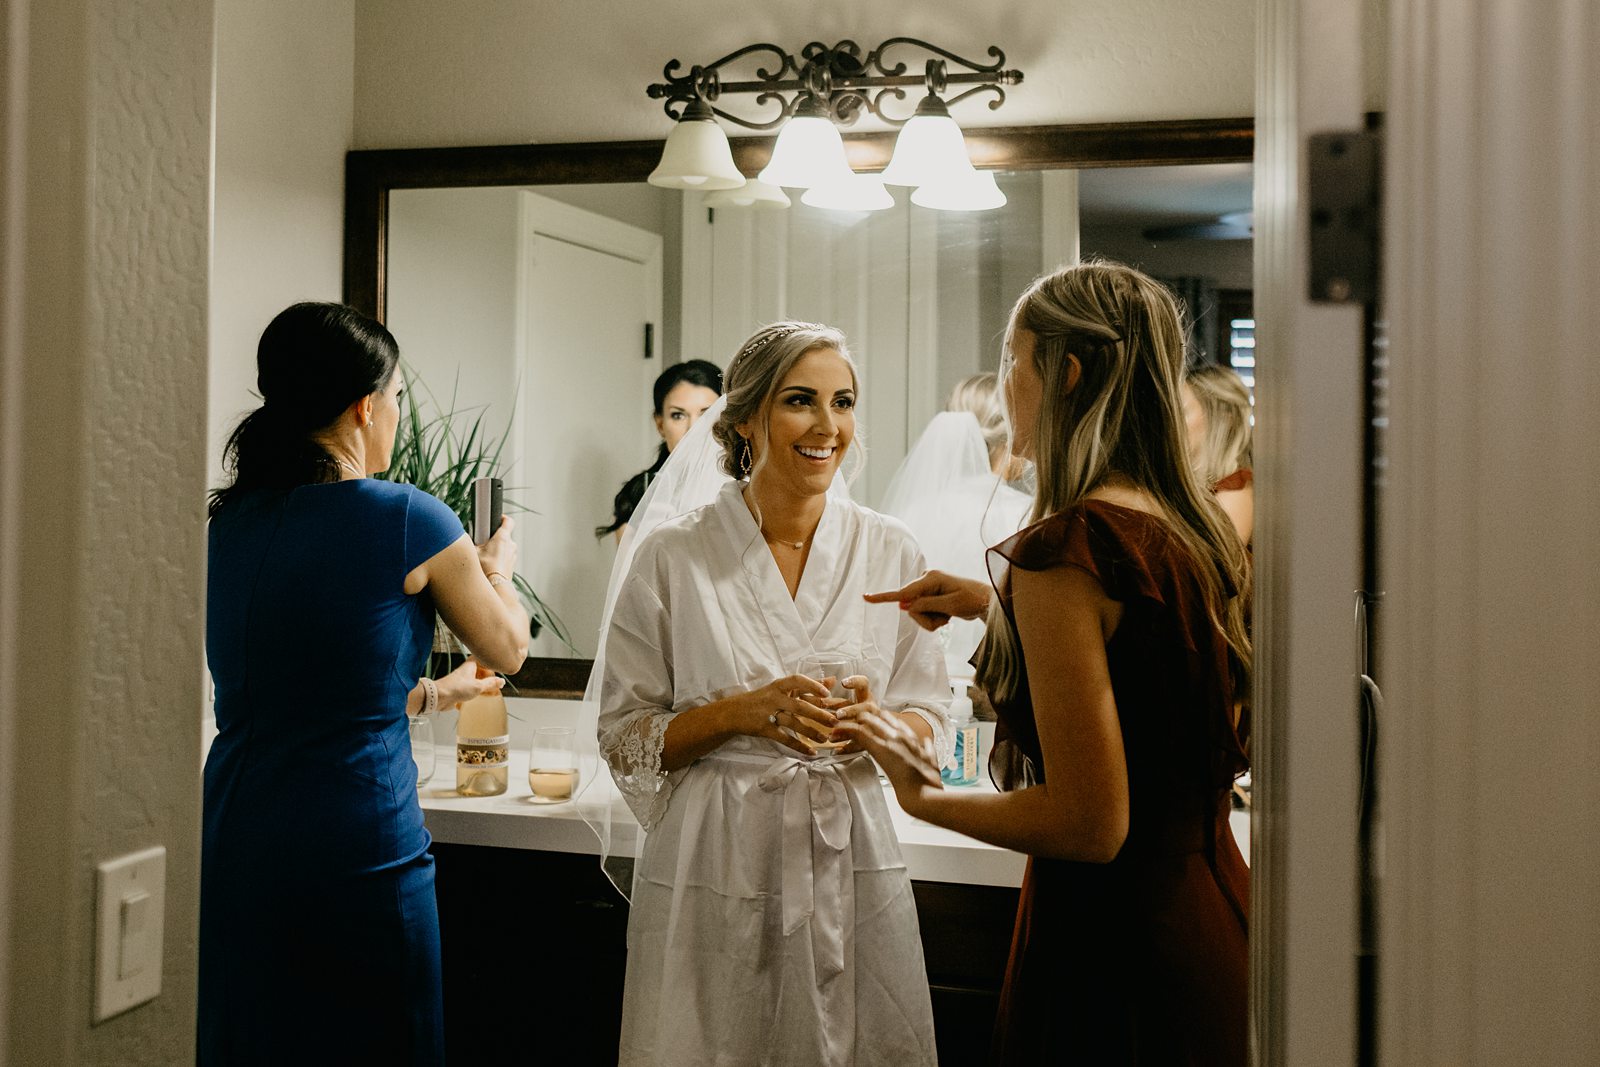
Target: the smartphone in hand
(487, 507)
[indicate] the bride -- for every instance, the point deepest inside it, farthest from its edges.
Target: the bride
(772, 918)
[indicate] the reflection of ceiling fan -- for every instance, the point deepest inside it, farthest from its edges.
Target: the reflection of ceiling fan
(1235, 226)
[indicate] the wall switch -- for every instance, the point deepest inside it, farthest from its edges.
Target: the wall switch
(130, 901)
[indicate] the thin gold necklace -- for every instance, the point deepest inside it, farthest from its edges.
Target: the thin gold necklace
(349, 468)
(796, 545)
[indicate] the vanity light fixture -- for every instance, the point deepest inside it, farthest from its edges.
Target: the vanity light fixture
(976, 191)
(929, 149)
(809, 151)
(817, 92)
(754, 193)
(853, 192)
(696, 155)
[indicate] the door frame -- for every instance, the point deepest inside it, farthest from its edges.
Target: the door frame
(542, 216)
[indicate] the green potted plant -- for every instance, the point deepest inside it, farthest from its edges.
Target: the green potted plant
(442, 454)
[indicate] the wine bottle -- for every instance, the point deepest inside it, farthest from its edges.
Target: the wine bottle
(483, 745)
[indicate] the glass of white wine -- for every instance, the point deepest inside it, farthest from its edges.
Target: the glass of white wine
(831, 669)
(553, 765)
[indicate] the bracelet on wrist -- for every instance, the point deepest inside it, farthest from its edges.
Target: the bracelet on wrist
(430, 697)
(496, 579)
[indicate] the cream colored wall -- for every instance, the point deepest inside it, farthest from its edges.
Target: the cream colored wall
(103, 362)
(284, 120)
(510, 71)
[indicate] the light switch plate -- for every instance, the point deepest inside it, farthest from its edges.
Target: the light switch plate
(130, 902)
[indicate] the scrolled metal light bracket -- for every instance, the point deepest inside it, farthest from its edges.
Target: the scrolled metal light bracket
(840, 78)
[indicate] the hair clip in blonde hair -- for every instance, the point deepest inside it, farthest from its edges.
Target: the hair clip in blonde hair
(775, 332)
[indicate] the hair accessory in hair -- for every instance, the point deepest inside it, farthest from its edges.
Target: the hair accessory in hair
(774, 334)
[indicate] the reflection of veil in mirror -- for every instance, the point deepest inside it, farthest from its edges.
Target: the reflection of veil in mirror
(956, 508)
(690, 479)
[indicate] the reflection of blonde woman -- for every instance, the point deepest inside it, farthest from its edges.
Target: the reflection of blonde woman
(1216, 410)
(980, 394)
(952, 494)
(1116, 647)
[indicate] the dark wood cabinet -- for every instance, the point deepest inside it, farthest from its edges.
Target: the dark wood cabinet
(535, 943)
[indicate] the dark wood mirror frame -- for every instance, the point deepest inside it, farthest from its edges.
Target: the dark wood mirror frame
(370, 176)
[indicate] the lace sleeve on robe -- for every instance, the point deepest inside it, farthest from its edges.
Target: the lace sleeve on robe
(636, 697)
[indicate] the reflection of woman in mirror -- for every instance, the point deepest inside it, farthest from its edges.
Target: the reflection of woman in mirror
(1216, 410)
(316, 885)
(1116, 646)
(980, 395)
(951, 492)
(772, 918)
(682, 394)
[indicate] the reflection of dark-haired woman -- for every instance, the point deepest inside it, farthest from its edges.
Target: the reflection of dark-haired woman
(683, 392)
(317, 912)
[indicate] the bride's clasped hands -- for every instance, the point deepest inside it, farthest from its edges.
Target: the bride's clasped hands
(906, 756)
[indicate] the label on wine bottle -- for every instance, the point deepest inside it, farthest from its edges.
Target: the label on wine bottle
(483, 751)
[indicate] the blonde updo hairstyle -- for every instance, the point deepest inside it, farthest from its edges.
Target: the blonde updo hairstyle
(980, 395)
(753, 377)
(1124, 417)
(1225, 405)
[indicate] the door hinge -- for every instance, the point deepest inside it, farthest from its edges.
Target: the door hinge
(1344, 181)
(649, 340)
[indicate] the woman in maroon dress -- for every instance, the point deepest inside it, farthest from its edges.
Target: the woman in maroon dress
(1116, 647)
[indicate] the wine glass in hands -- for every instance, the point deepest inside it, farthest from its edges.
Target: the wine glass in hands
(907, 758)
(835, 672)
(793, 711)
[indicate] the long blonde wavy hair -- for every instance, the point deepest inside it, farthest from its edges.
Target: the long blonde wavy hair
(1124, 417)
(1225, 404)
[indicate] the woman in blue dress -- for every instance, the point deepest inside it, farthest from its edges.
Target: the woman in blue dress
(319, 934)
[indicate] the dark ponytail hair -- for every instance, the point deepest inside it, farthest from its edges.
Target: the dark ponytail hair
(700, 372)
(313, 362)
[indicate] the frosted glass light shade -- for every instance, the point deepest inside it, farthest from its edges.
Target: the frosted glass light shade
(753, 193)
(973, 191)
(854, 192)
(930, 148)
(809, 153)
(696, 155)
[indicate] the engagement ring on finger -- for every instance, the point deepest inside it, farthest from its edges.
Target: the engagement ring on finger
(773, 718)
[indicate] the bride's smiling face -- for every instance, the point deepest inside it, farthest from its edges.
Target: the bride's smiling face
(811, 420)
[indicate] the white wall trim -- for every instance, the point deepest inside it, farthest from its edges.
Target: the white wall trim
(1308, 559)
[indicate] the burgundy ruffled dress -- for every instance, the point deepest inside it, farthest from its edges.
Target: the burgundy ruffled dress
(1142, 960)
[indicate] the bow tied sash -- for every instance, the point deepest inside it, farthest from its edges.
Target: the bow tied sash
(818, 877)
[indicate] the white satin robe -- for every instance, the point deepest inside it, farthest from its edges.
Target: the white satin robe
(772, 919)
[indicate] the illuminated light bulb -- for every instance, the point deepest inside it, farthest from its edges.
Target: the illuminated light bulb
(930, 148)
(696, 155)
(976, 191)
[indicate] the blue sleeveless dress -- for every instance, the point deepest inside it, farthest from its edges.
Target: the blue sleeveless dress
(319, 934)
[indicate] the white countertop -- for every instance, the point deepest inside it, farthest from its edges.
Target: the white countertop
(513, 820)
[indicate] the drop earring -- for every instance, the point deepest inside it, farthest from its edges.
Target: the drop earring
(746, 460)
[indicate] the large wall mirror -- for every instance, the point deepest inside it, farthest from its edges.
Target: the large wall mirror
(547, 286)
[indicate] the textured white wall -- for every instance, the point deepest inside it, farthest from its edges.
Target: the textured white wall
(511, 71)
(109, 140)
(284, 105)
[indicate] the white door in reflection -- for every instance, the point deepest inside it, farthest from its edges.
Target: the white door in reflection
(589, 287)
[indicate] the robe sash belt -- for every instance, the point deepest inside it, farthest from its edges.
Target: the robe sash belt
(818, 879)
